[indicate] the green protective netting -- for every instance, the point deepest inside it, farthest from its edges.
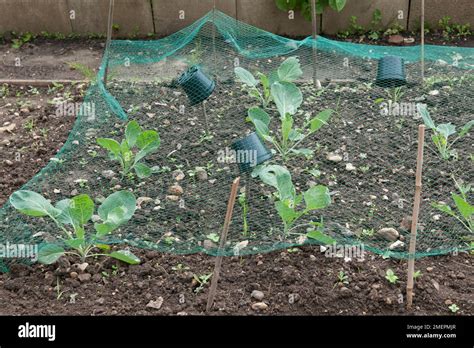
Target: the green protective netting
(367, 158)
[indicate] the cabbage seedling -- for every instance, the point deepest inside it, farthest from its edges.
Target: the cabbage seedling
(442, 132)
(145, 142)
(260, 87)
(71, 216)
(465, 211)
(289, 205)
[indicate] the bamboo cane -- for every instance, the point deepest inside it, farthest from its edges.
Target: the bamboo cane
(422, 19)
(416, 211)
(314, 32)
(223, 239)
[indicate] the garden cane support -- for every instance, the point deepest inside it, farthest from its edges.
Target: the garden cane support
(204, 112)
(316, 83)
(223, 239)
(109, 36)
(422, 21)
(416, 211)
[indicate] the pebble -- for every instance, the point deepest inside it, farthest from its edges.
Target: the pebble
(396, 39)
(259, 306)
(429, 269)
(142, 200)
(389, 234)
(201, 173)
(350, 167)
(73, 275)
(434, 92)
(176, 190)
(258, 295)
(74, 192)
(95, 218)
(84, 277)
(155, 304)
(208, 244)
(397, 245)
(8, 163)
(172, 198)
(108, 174)
(82, 267)
(333, 157)
(178, 175)
(57, 191)
(312, 257)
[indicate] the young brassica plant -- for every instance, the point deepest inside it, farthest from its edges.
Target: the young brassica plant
(465, 211)
(259, 88)
(287, 97)
(71, 216)
(145, 142)
(442, 132)
(287, 143)
(289, 205)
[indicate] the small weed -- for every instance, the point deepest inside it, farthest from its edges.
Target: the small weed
(391, 276)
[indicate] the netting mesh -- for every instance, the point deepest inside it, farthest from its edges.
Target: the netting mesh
(365, 154)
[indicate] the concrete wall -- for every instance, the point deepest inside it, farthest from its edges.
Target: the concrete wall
(162, 17)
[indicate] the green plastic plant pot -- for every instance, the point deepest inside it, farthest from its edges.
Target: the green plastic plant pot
(196, 84)
(250, 152)
(391, 72)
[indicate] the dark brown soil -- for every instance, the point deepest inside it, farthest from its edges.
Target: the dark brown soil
(300, 282)
(38, 133)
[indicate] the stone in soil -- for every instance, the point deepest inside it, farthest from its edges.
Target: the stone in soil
(258, 295)
(176, 190)
(155, 304)
(333, 157)
(259, 306)
(388, 233)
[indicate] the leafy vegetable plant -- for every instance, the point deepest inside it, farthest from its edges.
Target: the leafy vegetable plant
(442, 132)
(260, 87)
(305, 6)
(391, 276)
(145, 142)
(71, 216)
(465, 211)
(287, 97)
(289, 205)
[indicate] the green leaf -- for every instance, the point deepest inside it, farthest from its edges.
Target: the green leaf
(286, 5)
(295, 135)
(464, 207)
(286, 190)
(465, 129)
(290, 70)
(287, 214)
(50, 253)
(286, 125)
(76, 211)
(287, 97)
(268, 174)
(256, 113)
(142, 170)
(317, 197)
(132, 132)
(75, 243)
(308, 153)
(110, 144)
(446, 129)
(337, 5)
(33, 204)
(443, 208)
(320, 120)
(320, 237)
(148, 141)
(213, 237)
(426, 116)
(262, 130)
(320, 6)
(123, 200)
(245, 77)
(125, 256)
(104, 228)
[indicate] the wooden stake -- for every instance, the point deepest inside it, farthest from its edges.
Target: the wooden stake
(214, 52)
(223, 239)
(109, 37)
(422, 19)
(40, 83)
(205, 117)
(315, 31)
(416, 211)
